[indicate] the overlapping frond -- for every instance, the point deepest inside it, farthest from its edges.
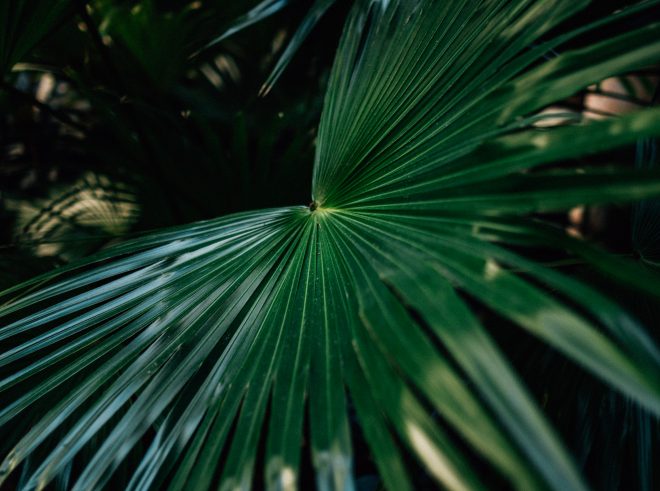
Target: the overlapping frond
(202, 356)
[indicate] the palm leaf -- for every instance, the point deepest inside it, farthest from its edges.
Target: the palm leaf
(315, 13)
(24, 24)
(73, 222)
(180, 356)
(256, 14)
(262, 11)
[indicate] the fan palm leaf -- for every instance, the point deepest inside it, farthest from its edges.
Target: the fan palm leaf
(179, 355)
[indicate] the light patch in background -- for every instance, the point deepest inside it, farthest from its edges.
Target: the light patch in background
(433, 458)
(75, 218)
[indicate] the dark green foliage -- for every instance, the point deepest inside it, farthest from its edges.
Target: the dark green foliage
(388, 326)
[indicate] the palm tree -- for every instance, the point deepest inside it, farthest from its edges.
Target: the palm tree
(207, 354)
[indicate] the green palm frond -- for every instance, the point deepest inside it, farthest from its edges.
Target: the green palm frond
(259, 12)
(195, 357)
(318, 9)
(262, 11)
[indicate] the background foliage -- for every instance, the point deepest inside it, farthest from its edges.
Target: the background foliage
(453, 142)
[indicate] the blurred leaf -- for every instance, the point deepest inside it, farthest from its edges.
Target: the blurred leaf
(24, 24)
(313, 16)
(646, 216)
(77, 221)
(154, 39)
(258, 13)
(209, 342)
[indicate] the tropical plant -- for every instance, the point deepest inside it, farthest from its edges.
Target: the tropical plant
(221, 353)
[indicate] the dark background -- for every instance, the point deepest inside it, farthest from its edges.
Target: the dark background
(116, 124)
